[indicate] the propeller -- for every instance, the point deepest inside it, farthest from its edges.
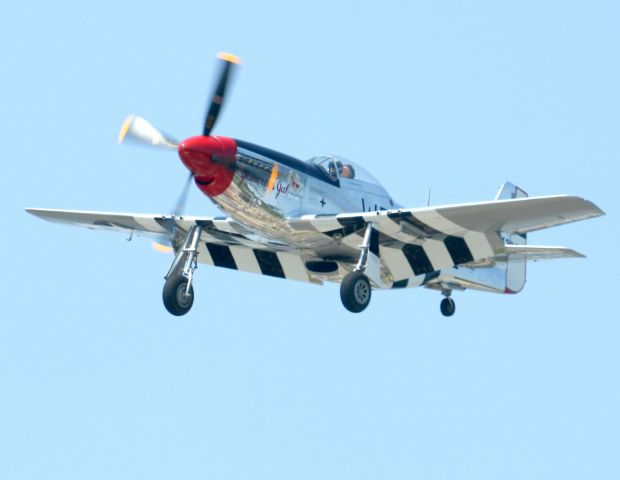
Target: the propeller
(164, 245)
(179, 207)
(217, 99)
(138, 130)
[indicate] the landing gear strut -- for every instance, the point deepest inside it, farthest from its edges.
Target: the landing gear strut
(178, 293)
(447, 305)
(355, 289)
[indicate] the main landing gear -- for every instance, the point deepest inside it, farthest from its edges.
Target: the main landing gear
(355, 292)
(355, 289)
(178, 293)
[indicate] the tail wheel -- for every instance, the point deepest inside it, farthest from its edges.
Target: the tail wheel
(176, 298)
(447, 307)
(355, 292)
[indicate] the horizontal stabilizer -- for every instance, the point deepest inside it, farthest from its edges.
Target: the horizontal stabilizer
(538, 252)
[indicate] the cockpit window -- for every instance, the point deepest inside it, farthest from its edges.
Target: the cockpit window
(341, 168)
(329, 166)
(334, 167)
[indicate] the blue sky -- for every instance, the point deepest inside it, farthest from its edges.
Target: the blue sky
(270, 379)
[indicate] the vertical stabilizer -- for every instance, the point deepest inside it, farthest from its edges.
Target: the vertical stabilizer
(508, 191)
(516, 264)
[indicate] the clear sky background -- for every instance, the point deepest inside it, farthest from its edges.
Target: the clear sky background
(271, 379)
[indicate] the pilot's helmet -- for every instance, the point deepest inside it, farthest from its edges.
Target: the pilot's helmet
(334, 165)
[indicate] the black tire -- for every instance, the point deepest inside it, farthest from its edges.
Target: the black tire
(175, 299)
(355, 292)
(447, 307)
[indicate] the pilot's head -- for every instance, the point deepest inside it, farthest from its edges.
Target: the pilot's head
(347, 171)
(333, 167)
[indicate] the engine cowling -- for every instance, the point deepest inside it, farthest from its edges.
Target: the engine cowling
(212, 160)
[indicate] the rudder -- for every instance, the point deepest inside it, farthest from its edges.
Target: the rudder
(516, 265)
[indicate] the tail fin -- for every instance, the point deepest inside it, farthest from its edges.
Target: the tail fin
(516, 264)
(508, 191)
(506, 270)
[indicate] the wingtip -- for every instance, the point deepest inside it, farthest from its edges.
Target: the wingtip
(37, 212)
(599, 211)
(594, 209)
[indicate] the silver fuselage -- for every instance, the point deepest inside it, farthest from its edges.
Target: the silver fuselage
(263, 200)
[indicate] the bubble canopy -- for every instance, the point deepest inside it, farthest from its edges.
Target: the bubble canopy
(338, 167)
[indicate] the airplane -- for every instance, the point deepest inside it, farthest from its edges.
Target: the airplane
(327, 219)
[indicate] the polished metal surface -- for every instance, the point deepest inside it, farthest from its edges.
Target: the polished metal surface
(265, 194)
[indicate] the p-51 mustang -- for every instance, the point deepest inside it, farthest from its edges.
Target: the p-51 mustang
(327, 219)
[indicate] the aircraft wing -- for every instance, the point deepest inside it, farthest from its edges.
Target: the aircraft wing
(411, 242)
(224, 242)
(149, 225)
(520, 215)
(222, 230)
(422, 240)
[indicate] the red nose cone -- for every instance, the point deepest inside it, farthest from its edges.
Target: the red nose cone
(211, 160)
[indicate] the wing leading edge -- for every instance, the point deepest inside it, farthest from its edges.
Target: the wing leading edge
(411, 242)
(418, 241)
(217, 230)
(520, 215)
(224, 242)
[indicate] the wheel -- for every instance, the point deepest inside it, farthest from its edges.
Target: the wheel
(176, 300)
(447, 307)
(355, 292)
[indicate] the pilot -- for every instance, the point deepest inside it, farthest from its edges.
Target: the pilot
(334, 166)
(347, 171)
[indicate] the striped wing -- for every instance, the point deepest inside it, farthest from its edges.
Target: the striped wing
(224, 242)
(273, 263)
(149, 225)
(419, 241)
(411, 242)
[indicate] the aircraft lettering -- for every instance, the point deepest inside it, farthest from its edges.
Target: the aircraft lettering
(253, 179)
(370, 209)
(281, 187)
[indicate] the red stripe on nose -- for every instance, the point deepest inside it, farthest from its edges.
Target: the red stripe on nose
(211, 160)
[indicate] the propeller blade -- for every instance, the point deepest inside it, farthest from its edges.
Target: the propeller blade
(139, 130)
(179, 208)
(160, 247)
(217, 99)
